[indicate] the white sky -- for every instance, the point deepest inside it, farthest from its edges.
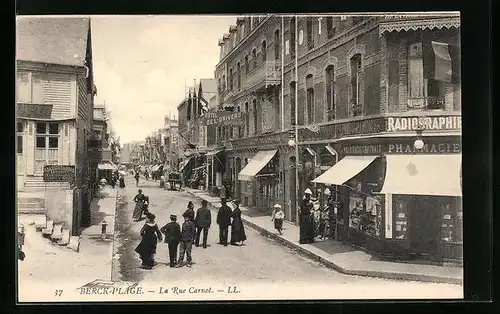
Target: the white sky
(141, 63)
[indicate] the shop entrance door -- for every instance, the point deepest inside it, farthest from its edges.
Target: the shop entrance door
(424, 228)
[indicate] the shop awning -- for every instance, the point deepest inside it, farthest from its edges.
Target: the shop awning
(345, 170)
(201, 167)
(184, 164)
(437, 175)
(155, 168)
(256, 164)
(309, 151)
(106, 166)
(330, 150)
(214, 152)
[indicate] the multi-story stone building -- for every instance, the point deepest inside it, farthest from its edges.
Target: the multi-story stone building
(368, 106)
(101, 132)
(170, 140)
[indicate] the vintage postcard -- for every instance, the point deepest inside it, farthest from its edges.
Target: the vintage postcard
(263, 157)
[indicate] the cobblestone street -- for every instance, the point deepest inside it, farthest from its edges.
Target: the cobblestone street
(260, 262)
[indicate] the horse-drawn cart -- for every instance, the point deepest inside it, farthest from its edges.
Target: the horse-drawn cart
(174, 181)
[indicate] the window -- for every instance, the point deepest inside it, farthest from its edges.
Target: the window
(292, 37)
(292, 103)
(330, 92)
(330, 30)
(423, 90)
(40, 142)
(238, 69)
(41, 128)
(277, 45)
(223, 83)
(356, 85)
(246, 65)
(53, 142)
(264, 51)
(247, 119)
(254, 58)
(242, 31)
(19, 144)
(310, 98)
(231, 79)
(254, 109)
(309, 31)
(20, 127)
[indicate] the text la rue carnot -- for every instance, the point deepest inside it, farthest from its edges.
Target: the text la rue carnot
(161, 290)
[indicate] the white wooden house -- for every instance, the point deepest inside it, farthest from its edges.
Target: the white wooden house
(54, 96)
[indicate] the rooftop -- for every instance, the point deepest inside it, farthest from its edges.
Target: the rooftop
(52, 40)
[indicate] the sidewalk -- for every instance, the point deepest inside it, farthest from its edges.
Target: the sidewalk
(339, 256)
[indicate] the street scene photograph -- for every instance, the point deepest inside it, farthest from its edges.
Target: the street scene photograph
(239, 157)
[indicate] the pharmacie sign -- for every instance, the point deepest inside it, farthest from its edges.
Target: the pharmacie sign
(396, 124)
(432, 145)
(224, 118)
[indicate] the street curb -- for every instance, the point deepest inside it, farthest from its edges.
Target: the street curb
(340, 269)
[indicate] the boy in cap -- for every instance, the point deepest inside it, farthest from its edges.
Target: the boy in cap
(172, 232)
(188, 234)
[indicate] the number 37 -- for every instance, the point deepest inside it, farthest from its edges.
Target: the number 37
(58, 293)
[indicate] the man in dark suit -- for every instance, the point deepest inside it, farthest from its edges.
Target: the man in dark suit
(203, 220)
(224, 221)
(188, 234)
(172, 232)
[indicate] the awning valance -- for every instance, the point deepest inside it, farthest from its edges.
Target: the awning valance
(437, 175)
(329, 149)
(418, 24)
(345, 170)
(309, 151)
(259, 161)
(106, 166)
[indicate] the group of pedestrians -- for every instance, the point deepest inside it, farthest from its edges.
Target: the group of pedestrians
(182, 238)
(313, 221)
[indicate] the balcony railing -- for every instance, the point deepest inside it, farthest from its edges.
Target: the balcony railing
(426, 102)
(268, 72)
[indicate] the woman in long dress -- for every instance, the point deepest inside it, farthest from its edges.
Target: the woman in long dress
(122, 180)
(141, 201)
(147, 247)
(306, 219)
(237, 228)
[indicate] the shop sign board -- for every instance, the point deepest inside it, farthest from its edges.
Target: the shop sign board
(224, 118)
(381, 125)
(59, 173)
(432, 145)
(398, 124)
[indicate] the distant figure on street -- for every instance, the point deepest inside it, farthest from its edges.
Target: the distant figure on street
(137, 176)
(224, 221)
(172, 232)
(223, 193)
(140, 205)
(306, 222)
(150, 237)
(189, 213)
(188, 234)
(146, 175)
(122, 180)
(277, 217)
(237, 229)
(202, 221)
(114, 178)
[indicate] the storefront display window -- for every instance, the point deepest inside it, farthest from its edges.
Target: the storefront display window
(401, 217)
(451, 221)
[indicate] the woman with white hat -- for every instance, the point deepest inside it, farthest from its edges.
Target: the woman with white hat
(306, 219)
(277, 217)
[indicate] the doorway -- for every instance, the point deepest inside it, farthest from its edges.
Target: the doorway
(425, 228)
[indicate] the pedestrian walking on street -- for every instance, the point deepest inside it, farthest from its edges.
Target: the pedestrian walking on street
(189, 213)
(113, 180)
(277, 217)
(224, 221)
(147, 247)
(202, 221)
(172, 232)
(141, 202)
(237, 228)
(137, 176)
(188, 234)
(306, 222)
(122, 180)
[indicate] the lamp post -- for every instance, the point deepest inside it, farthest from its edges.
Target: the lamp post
(419, 142)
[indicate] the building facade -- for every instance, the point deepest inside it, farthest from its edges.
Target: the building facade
(55, 99)
(347, 97)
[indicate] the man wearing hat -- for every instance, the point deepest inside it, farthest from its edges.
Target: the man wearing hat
(202, 221)
(172, 232)
(224, 221)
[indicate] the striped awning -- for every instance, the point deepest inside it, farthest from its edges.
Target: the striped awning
(107, 165)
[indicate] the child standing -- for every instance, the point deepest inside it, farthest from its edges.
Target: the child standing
(278, 216)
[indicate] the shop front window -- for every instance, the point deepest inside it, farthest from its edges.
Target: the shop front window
(451, 222)
(400, 208)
